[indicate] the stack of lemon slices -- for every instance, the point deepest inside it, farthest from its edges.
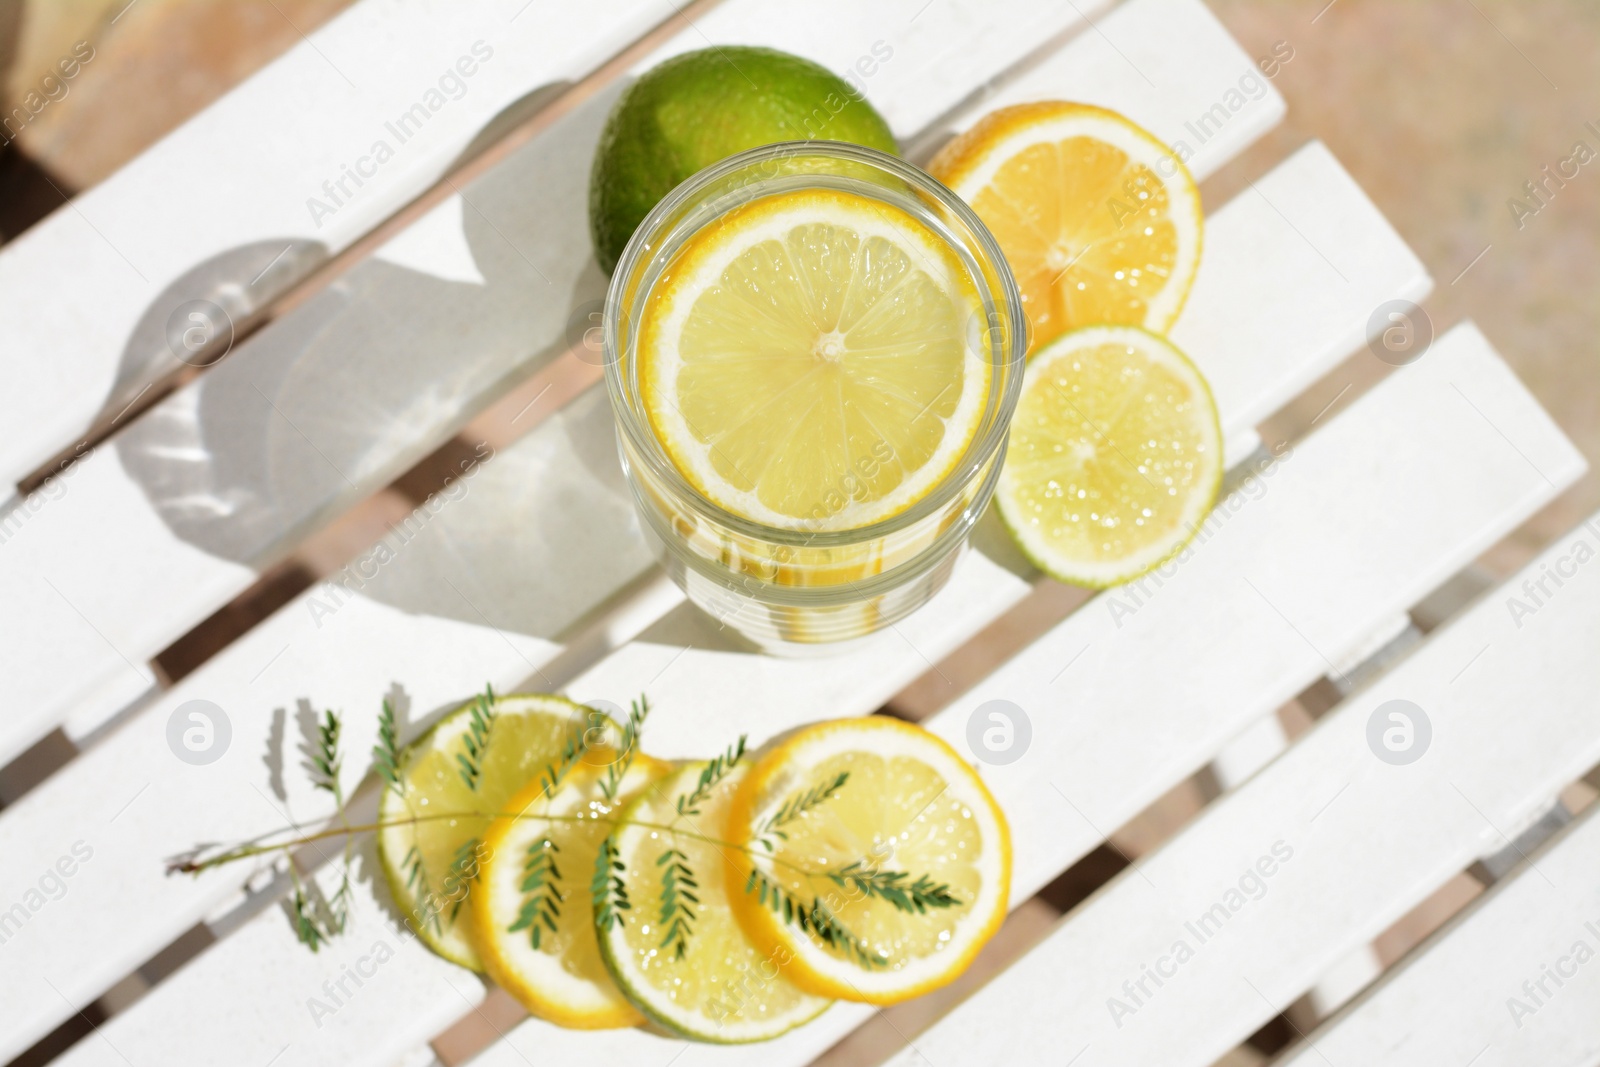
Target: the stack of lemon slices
(727, 900)
(1116, 452)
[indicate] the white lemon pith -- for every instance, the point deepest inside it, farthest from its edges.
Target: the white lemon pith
(1115, 456)
(812, 360)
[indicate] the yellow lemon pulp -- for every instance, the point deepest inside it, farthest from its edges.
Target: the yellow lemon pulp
(812, 360)
(1098, 220)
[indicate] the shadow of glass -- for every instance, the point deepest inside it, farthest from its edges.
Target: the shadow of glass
(194, 320)
(334, 400)
(531, 541)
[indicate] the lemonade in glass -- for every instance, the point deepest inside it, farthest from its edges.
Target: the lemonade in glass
(813, 350)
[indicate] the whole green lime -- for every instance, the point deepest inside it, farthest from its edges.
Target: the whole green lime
(701, 107)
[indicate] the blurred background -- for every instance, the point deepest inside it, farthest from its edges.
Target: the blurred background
(1441, 109)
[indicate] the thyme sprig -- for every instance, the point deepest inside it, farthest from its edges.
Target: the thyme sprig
(815, 918)
(541, 906)
(607, 888)
(475, 741)
(326, 761)
(637, 713)
(679, 900)
(386, 753)
(573, 749)
(316, 919)
(713, 772)
(771, 829)
(917, 898)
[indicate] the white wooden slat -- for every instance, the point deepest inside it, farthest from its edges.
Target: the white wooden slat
(519, 507)
(1110, 733)
(203, 213)
(1463, 994)
(1394, 267)
(1391, 267)
(704, 688)
(1355, 842)
(1137, 44)
(179, 513)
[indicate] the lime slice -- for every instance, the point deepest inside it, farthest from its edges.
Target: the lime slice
(453, 781)
(1115, 456)
(719, 988)
(810, 360)
(876, 861)
(533, 921)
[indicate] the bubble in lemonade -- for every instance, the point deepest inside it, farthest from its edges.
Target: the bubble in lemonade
(813, 370)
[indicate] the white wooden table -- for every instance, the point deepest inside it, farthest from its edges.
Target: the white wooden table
(531, 571)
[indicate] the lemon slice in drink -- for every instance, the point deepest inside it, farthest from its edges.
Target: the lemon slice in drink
(1115, 456)
(1099, 220)
(533, 921)
(721, 988)
(811, 360)
(874, 856)
(452, 782)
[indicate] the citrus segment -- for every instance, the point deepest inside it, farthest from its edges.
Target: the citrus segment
(811, 360)
(1099, 220)
(1115, 456)
(875, 857)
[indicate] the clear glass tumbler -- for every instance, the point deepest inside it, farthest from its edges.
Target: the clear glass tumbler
(806, 589)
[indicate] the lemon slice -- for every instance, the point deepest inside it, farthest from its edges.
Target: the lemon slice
(722, 988)
(1115, 456)
(432, 850)
(1099, 220)
(533, 921)
(812, 360)
(875, 857)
